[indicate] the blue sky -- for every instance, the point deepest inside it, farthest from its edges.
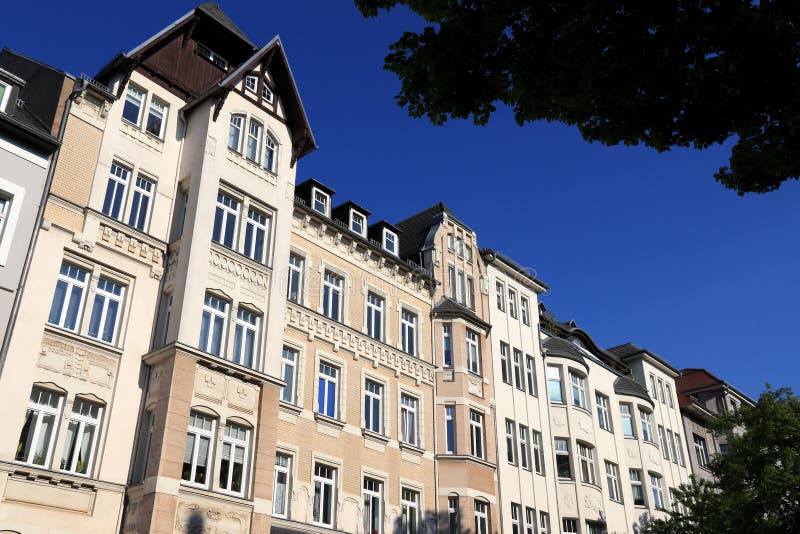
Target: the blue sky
(637, 246)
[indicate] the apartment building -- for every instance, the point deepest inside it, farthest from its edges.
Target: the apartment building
(702, 398)
(31, 98)
(355, 436)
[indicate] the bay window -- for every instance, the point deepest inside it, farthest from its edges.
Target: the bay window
(226, 218)
(563, 462)
(554, 384)
(586, 460)
(627, 420)
(212, 325)
(106, 310)
(81, 440)
(198, 450)
(476, 434)
(233, 464)
(578, 390)
(473, 353)
(245, 338)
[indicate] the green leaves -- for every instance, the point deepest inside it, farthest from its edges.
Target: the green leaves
(675, 73)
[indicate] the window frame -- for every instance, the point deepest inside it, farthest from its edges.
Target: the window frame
(243, 327)
(637, 481)
(516, 512)
(331, 406)
(298, 272)
(450, 428)
(555, 377)
(563, 452)
(646, 423)
(409, 431)
(701, 450)
(500, 292)
(518, 378)
(235, 442)
(41, 410)
(375, 305)
(612, 481)
(586, 463)
(213, 314)
(226, 214)
(253, 140)
(271, 151)
(476, 434)
(333, 284)
(375, 505)
(627, 417)
(71, 283)
(512, 303)
(408, 331)
(325, 200)
(354, 216)
(578, 390)
(253, 225)
(473, 352)
(291, 383)
(505, 363)
(537, 449)
(389, 236)
(603, 407)
(239, 128)
(108, 297)
(524, 448)
(409, 504)
(132, 87)
(530, 375)
(285, 470)
(373, 406)
(657, 490)
(447, 345)
(481, 513)
(199, 433)
(154, 102)
(512, 456)
(142, 192)
(326, 488)
(524, 309)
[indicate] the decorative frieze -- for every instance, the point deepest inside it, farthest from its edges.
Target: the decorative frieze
(219, 389)
(210, 519)
(130, 245)
(362, 346)
(256, 280)
(77, 361)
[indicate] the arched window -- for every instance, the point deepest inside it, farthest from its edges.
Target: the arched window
(270, 153)
(253, 140)
(235, 132)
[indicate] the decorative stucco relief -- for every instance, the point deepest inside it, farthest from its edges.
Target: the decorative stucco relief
(585, 424)
(132, 247)
(256, 280)
(362, 346)
(194, 518)
(77, 361)
(220, 389)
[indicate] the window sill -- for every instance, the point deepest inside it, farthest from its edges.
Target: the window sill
(411, 448)
(221, 495)
(154, 137)
(289, 407)
(223, 249)
(376, 436)
(327, 420)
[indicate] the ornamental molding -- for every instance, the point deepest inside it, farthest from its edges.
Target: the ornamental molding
(130, 245)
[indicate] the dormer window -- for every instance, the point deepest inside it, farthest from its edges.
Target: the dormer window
(251, 83)
(206, 53)
(322, 202)
(5, 92)
(389, 241)
(266, 94)
(358, 223)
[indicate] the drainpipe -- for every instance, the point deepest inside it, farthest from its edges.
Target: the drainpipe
(79, 86)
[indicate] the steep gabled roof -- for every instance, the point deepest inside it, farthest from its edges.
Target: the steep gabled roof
(213, 10)
(415, 228)
(627, 351)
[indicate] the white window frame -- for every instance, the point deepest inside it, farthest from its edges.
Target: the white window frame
(235, 442)
(72, 284)
(450, 423)
(505, 363)
(324, 199)
(524, 309)
(332, 283)
(325, 487)
(516, 512)
(254, 225)
(602, 403)
(530, 375)
(500, 291)
(206, 53)
(200, 432)
(214, 313)
(376, 308)
(249, 80)
(142, 192)
(295, 271)
(578, 389)
(538, 451)
(373, 505)
(6, 95)
(131, 98)
(354, 221)
(107, 298)
(626, 413)
(570, 526)
(327, 374)
(561, 448)
(13, 196)
(409, 419)
(152, 110)
(255, 129)
(271, 148)
(511, 442)
(119, 176)
(236, 124)
(671, 441)
(291, 383)
(266, 93)
(586, 463)
(389, 237)
(408, 331)
(373, 397)
(612, 480)
(646, 420)
(476, 434)
(409, 502)
(481, 517)
(233, 209)
(286, 471)
(473, 352)
(701, 450)
(679, 446)
(554, 377)
(637, 481)
(544, 523)
(658, 492)
(447, 345)
(40, 410)
(453, 520)
(530, 520)
(512, 303)
(524, 447)
(669, 395)
(662, 438)
(518, 379)
(242, 327)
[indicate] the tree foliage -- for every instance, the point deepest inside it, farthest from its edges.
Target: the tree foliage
(666, 73)
(757, 486)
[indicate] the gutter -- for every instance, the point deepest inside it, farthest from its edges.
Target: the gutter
(79, 86)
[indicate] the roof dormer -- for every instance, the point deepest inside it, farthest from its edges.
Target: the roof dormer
(316, 195)
(387, 235)
(353, 216)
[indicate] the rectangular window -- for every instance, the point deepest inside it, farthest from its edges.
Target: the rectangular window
(658, 492)
(375, 305)
(530, 520)
(67, 305)
(327, 392)
(357, 223)
(156, 118)
(389, 241)
(578, 390)
(408, 332)
(373, 406)
(544, 523)
(235, 132)
(627, 420)
(473, 353)
(653, 388)
(669, 396)
(332, 296)
(288, 373)
(451, 271)
(270, 151)
(586, 460)
(511, 442)
(38, 435)
(116, 189)
(447, 345)
(295, 284)
(142, 203)
(232, 467)
(673, 450)
(321, 202)
(481, 518)
(373, 506)
(476, 434)
(282, 490)
(206, 53)
(602, 411)
(409, 428)
(453, 523)
(524, 448)
(212, 326)
(462, 291)
(512, 303)
(324, 495)
(647, 425)
(525, 311)
(518, 370)
(251, 83)
(197, 453)
(662, 441)
(409, 500)
(470, 293)
(554, 384)
(501, 296)
(226, 219)
(538, 452)
(570, 526)
(134, 99)
(679, 447)
(5, 209)
(253, 140)
(505, 364)
(563, 463)
(450, 429)
(700, 450)
(636, 487)
(245, 338)
(516, 511)
(530, 374)
(612, 479)
(661, 391)
(256, 236)
(106, 310)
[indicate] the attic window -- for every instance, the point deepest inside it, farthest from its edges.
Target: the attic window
(389, 241)
(5, 92)
(357, 223)
(321, 201)
(266, 94)
(206, 53)
(251, 83)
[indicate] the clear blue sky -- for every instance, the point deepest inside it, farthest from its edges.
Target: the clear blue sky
(636, 246)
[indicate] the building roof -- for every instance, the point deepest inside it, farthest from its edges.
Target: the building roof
(213, 10)
(629, 350)
(490, 255)
(693, 379)
(415, 228)
(449, 307)
(625, 385)
(561, 348)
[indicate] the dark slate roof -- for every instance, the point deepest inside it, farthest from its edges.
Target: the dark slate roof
(561, 348)
(213, 10)
(629, 350)
(448, 306)
(415, 228)
(625, 385)
(489, 255)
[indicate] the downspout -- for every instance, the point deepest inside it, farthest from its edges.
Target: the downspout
(79, 86)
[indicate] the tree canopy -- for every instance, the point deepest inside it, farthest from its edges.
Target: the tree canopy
(757, 486)
(667, 73)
